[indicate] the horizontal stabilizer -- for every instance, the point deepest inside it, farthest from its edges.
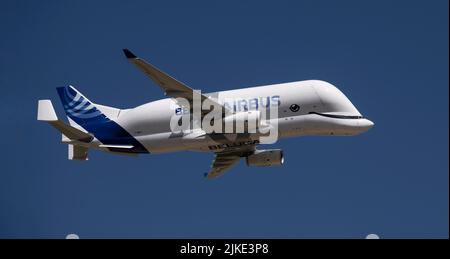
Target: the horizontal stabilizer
(71, 132)
(47, 113)
(117, 146)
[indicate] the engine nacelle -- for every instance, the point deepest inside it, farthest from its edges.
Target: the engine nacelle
(250, 120)
(268, 157)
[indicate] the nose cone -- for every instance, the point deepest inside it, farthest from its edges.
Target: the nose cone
(332, 99)
(365, 124)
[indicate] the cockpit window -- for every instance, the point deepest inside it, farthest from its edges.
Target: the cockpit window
(336, 116)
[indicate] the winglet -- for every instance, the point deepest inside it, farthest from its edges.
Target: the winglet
(46, 111)
(129, 54)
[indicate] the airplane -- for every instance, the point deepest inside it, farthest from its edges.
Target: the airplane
(303, 108)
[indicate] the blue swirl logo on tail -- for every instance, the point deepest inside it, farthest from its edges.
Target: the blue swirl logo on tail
(77, 105)
(84, 113)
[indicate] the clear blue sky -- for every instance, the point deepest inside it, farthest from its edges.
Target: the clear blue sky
(389, 57)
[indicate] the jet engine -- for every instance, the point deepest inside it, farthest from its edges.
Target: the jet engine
(268, 157)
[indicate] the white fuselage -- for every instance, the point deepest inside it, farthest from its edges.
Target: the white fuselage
(310, 107)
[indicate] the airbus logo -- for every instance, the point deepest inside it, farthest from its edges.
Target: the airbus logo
(243, 104)
(253, 103)
(294, 107)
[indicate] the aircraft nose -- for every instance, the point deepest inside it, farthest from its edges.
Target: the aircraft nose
(365, 124)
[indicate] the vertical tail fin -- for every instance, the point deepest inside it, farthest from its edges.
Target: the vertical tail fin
(96, 119)
(78, 108)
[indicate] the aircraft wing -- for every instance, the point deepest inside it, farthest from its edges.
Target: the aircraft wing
(168, 84)
(222, 162)
(225, 160)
